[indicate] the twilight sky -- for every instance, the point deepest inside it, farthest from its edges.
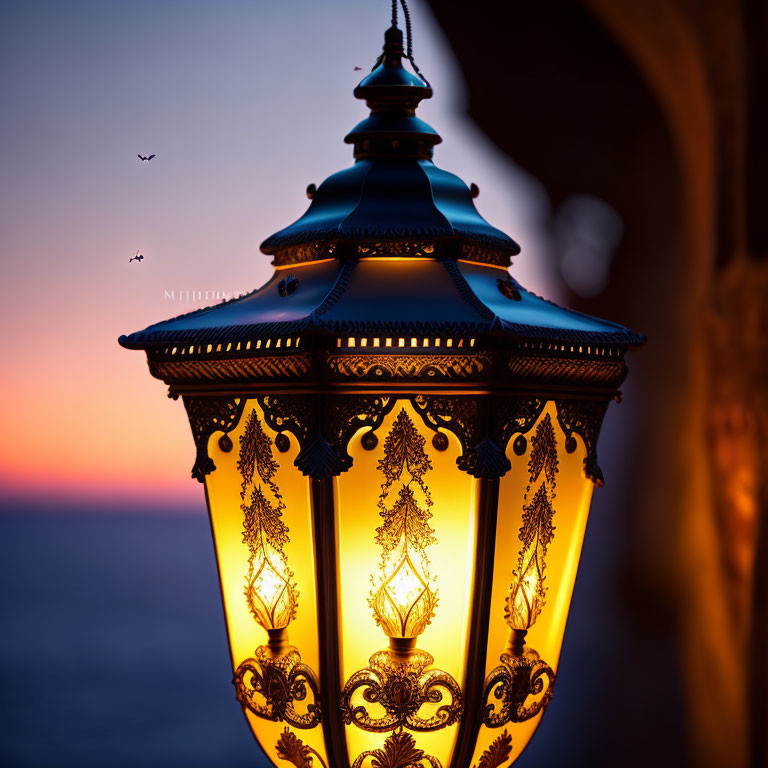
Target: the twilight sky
(244, 103)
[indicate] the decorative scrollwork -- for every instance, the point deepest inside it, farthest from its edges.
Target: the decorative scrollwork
(323, 452)
(584, 418)
(485, 254)
(527, 592)
(290, 413)
(323, 441)
(517, 680)
(464, 416)
(483, 429)
(255, 458)
(514, 415)
(399, 751)
(604, 372)
(300, 415)
(404, 595)
(403, 600)
(428, 367)
(523, 684)
(401, 686)
(608, 372)
(270, 589)
(349, 413)
(460, 415)
(231, 369)
(301, 254)
(206, 416)
(268, 685)
(414, 248)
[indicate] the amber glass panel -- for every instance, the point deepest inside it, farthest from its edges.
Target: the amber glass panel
(569, 498)
(288, 550)
(449, 563)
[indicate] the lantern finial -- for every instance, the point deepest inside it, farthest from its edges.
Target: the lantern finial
(408, 53)
(392, 94)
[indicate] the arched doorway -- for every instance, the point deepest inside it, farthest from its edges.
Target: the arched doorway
(608, 100)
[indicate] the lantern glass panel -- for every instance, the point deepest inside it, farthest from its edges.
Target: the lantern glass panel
(567, 494)
(255, 486)
(442, 500)
(406, 528)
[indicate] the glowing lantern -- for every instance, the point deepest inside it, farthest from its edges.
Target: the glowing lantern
(397, 441)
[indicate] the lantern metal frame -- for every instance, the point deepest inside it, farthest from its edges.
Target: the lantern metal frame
(326, 351)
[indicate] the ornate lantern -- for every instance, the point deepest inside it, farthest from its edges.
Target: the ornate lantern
(398, 446)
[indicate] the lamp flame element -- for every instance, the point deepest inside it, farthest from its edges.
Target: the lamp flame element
(403, 597)
(270, 590)
(527, 592)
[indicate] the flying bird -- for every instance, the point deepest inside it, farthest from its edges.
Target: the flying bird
(141, 157)
(358, 69)
(139, 256)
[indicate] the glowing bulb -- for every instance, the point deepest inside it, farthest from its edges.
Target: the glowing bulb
(525, 599)
(404, 603)
(269, 587)
(271, 596)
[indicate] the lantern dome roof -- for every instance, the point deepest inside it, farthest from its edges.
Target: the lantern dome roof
(419, 295)
(391, 253)
(393, 190)
(391, 198)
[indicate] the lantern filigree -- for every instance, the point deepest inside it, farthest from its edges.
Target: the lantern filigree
(271, 681)
(498, 752)
(518, 689)
(523, 683)
(270, 589)
(399, 751)
(401, 686)
(292, 749)
(403, 599)
(527, 593)
(206, 416)
(404, 595)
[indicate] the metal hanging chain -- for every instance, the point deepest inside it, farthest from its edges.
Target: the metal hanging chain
(408, 36)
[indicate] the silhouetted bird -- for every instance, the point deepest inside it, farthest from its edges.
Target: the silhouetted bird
(358, 69)
(138, 256)
(141, 157)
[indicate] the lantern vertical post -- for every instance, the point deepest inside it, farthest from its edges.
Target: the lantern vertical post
(487, 509)
(326, 559)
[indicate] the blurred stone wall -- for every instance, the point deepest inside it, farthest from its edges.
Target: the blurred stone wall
(660, 109)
